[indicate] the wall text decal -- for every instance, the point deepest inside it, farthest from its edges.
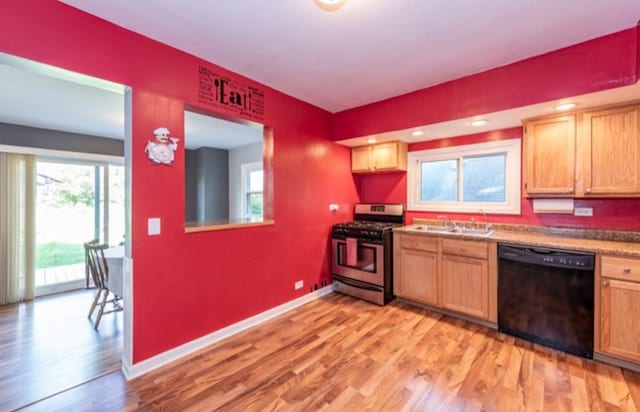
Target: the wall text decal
(231, 94)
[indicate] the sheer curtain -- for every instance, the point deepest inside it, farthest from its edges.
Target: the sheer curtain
(17, 227)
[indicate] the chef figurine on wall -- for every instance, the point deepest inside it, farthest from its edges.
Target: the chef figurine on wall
(161, 149)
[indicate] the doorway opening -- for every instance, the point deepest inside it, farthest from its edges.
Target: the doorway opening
(61, 127)
(76, 202)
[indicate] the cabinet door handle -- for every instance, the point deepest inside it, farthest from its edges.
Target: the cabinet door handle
(605, 282)
(626, 269)
(462, 249)
(588, 190)
(570, 190)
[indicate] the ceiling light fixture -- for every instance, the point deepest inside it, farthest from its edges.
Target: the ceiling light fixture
(372, 140)
(417, 133)
(565, 106)
(330, 5)
(479, 122)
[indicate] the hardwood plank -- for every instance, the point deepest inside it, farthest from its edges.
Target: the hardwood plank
(341, 354)
(48, 345)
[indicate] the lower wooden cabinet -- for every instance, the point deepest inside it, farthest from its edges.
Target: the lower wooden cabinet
(465, 285)
(453, 274)
(416, 270)
(618, 318)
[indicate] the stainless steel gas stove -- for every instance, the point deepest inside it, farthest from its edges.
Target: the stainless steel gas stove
(362, 252)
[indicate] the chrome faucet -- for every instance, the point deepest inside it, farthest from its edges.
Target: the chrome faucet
(446, 222)
(487, 225)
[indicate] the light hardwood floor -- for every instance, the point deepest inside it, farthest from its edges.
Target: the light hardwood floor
(48, 345)
(338, 353)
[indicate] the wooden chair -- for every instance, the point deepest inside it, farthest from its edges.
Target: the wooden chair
(86, 261)
(100, 275)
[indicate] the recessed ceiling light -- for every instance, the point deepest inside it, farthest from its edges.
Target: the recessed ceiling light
(372, 140)
(479, 122)
(565, 106)
(330, 5)
(417, 133)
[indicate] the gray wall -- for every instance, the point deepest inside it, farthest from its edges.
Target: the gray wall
(206, 184)
(16, 135)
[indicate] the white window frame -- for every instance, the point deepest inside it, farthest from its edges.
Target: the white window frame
(513, 198)
(245, 170)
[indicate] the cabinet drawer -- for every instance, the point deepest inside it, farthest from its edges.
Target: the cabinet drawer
(419, 242)
(620, 268)
(470, 248)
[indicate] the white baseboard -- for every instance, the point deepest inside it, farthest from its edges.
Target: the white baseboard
(183, 350)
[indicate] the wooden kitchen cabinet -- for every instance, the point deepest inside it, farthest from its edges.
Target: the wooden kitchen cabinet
(618, 316)
(550, 156)
(453, 274)
(466, 282)
(416, 269)
(610, 145)
(594, 153)
(382, 157)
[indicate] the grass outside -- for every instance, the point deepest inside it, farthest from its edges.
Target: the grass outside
(58, 254)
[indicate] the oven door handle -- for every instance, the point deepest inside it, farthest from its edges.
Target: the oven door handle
(356, 284)
(360, 242)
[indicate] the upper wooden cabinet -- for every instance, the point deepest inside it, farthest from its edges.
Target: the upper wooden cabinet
(382, 157)
(610, 142)
(594, 153)
(550, 156)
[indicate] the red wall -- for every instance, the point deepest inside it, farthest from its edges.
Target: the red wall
(188, 285)
(603, 63)
(619, 214)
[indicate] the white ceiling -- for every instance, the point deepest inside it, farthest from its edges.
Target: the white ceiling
(368, 50)
(38, 95)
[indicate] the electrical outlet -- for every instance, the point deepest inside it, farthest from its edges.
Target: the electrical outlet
(299, 284)
(583, 211)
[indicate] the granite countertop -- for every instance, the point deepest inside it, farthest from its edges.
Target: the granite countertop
(610, 242)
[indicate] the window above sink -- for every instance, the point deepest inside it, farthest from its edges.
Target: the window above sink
(466, 178)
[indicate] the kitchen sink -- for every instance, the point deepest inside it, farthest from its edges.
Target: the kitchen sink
(476, 232)
(433, 229)
(452, 230)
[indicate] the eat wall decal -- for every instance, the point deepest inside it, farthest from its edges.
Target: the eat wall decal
(231, 94)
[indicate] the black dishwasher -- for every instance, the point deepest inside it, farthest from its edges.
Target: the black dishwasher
(546, 296)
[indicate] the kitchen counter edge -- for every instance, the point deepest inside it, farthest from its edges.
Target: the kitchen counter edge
(556, 241)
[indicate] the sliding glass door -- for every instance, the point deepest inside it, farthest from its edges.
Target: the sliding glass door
(76, 203)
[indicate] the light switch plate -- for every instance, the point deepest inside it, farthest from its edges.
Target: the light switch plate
(583, 211)
(153, 226)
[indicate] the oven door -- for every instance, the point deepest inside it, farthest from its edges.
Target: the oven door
(369, 265)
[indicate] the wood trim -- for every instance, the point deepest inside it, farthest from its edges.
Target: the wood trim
(227, 226)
